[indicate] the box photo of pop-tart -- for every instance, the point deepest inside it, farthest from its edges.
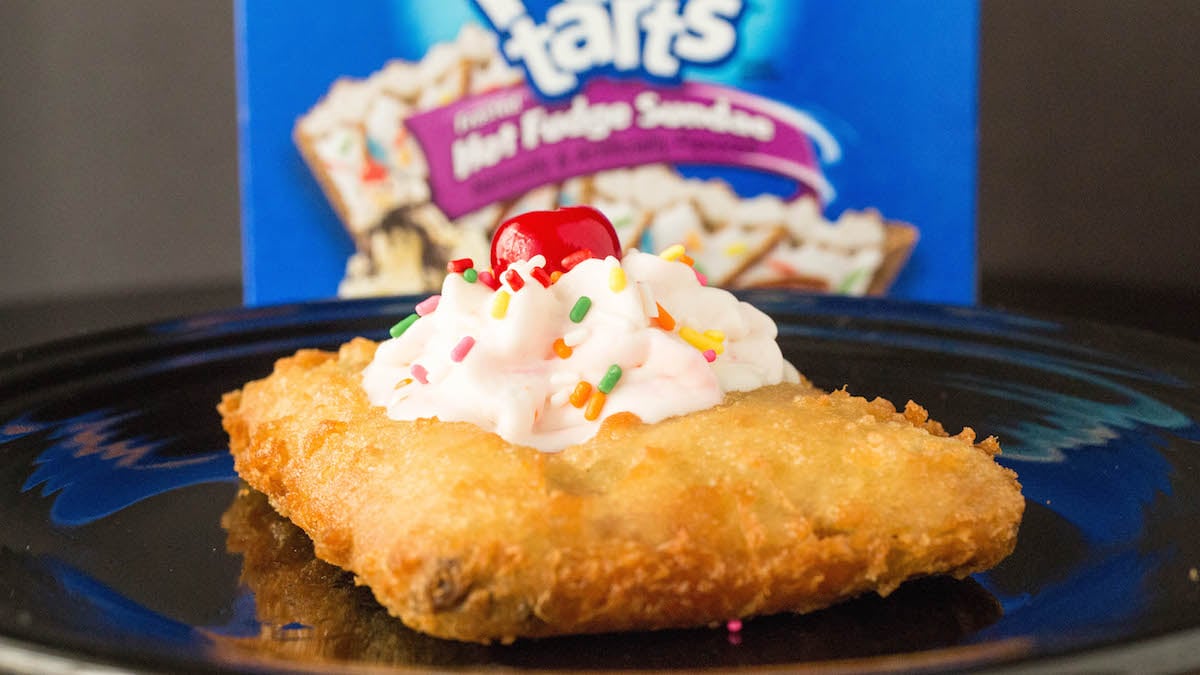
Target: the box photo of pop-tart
(681, 123)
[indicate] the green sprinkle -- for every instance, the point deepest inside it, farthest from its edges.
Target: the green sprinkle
(610, 379)
(580, 310)
(470, 275)
(404, 325)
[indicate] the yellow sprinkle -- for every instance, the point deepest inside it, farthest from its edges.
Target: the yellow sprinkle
(705, 340)
(616, 279)
(693, 242)
(594, 405)
(736, 249)
(500, 304)
(696, 339)
(672, 253)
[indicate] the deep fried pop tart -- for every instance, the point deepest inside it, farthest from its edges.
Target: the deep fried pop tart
(612, 447)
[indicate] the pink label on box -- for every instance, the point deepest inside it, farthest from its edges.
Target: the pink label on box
(494, 146)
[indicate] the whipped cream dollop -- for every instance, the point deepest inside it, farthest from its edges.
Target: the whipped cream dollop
(544, 365)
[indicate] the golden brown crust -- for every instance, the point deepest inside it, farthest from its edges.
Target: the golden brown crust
(780, 499)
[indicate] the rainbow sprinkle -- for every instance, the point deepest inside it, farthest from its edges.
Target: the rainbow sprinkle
(580, 310)
(611, 376)
(575, 258)
(580, 394)
(500, 304)
(462, 348)
(560, 397)
(514, 280)
(562, 349)
(555, 276)
(404, 324)
(700, 341)
(539, 274)
(488, 279)
(710, 355)
(404, 383)
(594, 405)
(664, 320)
(459, 265)
(419, 373)
(616, 279)
(428, 305)
(470, 275)
(700, 277)
(648, 305)
(672, 253)
(575, 337)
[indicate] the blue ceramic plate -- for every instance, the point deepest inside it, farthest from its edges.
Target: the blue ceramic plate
(124, 539)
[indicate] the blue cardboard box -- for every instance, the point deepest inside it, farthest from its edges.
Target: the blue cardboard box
(826, 145)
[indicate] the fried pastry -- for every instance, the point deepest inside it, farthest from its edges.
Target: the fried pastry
(601, 444)
(779, 499)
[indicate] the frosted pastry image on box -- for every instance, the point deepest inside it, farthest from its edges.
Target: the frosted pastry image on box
(375, 176)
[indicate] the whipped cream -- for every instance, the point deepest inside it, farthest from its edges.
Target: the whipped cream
(516, 368)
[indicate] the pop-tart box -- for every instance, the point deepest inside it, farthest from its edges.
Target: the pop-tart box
(822, 145)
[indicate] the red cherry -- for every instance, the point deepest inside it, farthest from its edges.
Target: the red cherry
(555, 235)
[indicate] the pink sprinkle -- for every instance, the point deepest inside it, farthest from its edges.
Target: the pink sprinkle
(700, 277)
(460, 350)
(710, 355)
(734, 625)
(420, 374)
(488, 279)
(427, 305)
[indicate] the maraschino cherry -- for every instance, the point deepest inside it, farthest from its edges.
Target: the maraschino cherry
(555, 235)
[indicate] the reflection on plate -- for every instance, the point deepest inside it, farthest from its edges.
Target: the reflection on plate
(115, 483)
(310, 610)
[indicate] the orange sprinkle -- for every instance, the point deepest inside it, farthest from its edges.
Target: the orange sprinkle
(687, 260)
(406, 381)
(563, 350)
(594, 405)
(555, 275)
(664, 320)
(580, 394)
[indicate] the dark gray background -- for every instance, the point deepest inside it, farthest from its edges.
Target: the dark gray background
(119, 171)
